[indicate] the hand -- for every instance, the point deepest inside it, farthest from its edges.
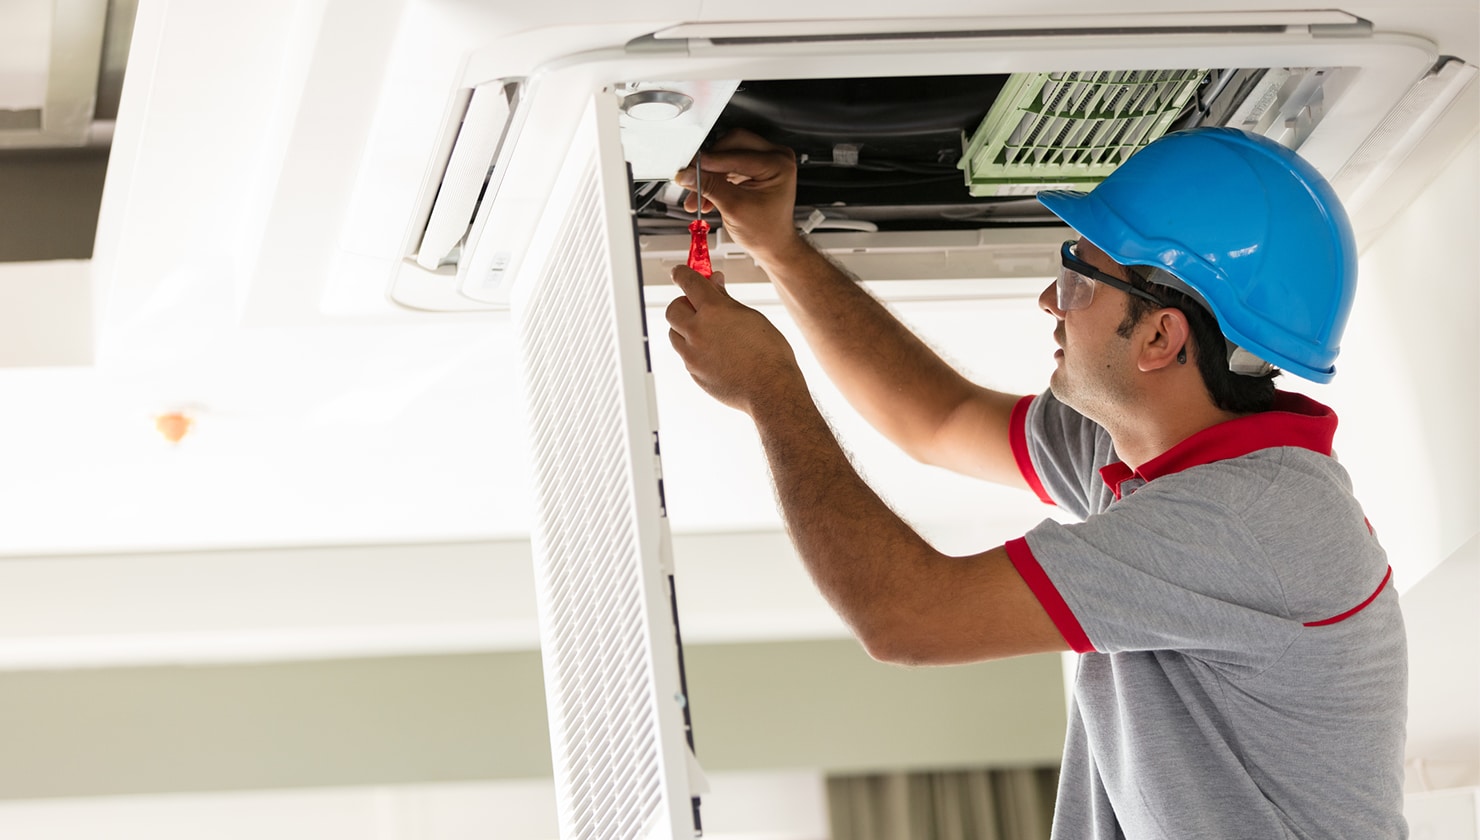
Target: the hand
(753, 184)
(731, 350)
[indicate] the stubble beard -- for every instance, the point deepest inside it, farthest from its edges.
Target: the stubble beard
(1098, 399)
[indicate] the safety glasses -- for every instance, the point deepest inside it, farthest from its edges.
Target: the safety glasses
(1077, 278)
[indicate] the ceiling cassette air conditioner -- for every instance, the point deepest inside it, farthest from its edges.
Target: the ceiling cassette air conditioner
(901, 126)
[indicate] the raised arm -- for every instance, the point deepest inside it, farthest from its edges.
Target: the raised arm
(901, 386)
(905, 601)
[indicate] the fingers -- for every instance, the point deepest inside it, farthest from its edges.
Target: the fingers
(691, 200)
(739, 157)
(757, 168)
(679, 314)
(698, 289)
(752, 183)
(683, 310)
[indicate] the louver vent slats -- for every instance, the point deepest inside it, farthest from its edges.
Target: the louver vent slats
(597, 572)
(1054, 130)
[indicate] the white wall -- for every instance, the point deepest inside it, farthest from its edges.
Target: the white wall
(1409, 395)
(1444, 674)
(1407, 387)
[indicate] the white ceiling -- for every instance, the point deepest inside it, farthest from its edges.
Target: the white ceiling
(320, 429)
(347, 430)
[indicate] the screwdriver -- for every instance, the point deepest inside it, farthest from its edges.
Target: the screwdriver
(698, 228)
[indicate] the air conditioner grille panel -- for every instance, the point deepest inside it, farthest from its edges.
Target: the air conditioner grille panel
(604, 721)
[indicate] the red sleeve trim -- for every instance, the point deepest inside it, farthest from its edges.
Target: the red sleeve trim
(1358, 608)
(1048, 595)
(1017, 434)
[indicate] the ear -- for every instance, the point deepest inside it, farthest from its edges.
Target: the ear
(1166, 335)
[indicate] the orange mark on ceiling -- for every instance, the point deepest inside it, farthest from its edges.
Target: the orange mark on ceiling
(173, 425)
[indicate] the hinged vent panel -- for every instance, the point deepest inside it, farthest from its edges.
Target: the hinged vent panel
(607, 626)
(468, 175)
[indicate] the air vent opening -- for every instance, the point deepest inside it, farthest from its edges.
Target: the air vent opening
(934, 153)
(467, 174)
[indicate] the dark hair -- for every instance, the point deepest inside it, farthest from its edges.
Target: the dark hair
(1230, 391)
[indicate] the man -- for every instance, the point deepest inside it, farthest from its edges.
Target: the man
(1243, 664)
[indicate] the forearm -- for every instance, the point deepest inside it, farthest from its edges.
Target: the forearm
(889, 375)
(905, 601)
(860, 554)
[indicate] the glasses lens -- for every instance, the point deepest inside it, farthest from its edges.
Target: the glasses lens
(1074, 290)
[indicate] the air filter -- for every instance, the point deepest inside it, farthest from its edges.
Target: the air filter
(1069, 130)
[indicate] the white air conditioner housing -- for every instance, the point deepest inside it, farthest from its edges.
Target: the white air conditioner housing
(443, 204)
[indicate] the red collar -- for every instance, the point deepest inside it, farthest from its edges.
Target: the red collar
(1295, 420)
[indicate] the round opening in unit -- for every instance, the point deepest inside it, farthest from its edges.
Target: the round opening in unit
(655, 105)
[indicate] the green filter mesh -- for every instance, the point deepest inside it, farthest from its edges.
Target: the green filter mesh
(1071, 129)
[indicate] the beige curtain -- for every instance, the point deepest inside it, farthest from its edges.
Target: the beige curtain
(1013, 804)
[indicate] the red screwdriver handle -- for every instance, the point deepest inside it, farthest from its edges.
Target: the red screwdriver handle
(699, 247)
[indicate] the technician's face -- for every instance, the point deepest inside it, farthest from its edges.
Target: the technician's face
(1093, 368)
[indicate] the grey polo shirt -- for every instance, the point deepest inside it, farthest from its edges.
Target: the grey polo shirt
(1243, 670)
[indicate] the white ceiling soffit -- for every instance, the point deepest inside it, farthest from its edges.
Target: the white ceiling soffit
(61, 43)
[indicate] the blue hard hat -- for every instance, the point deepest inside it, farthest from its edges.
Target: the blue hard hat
(1245, 222)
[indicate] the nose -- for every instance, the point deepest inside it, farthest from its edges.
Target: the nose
(1048, 301)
